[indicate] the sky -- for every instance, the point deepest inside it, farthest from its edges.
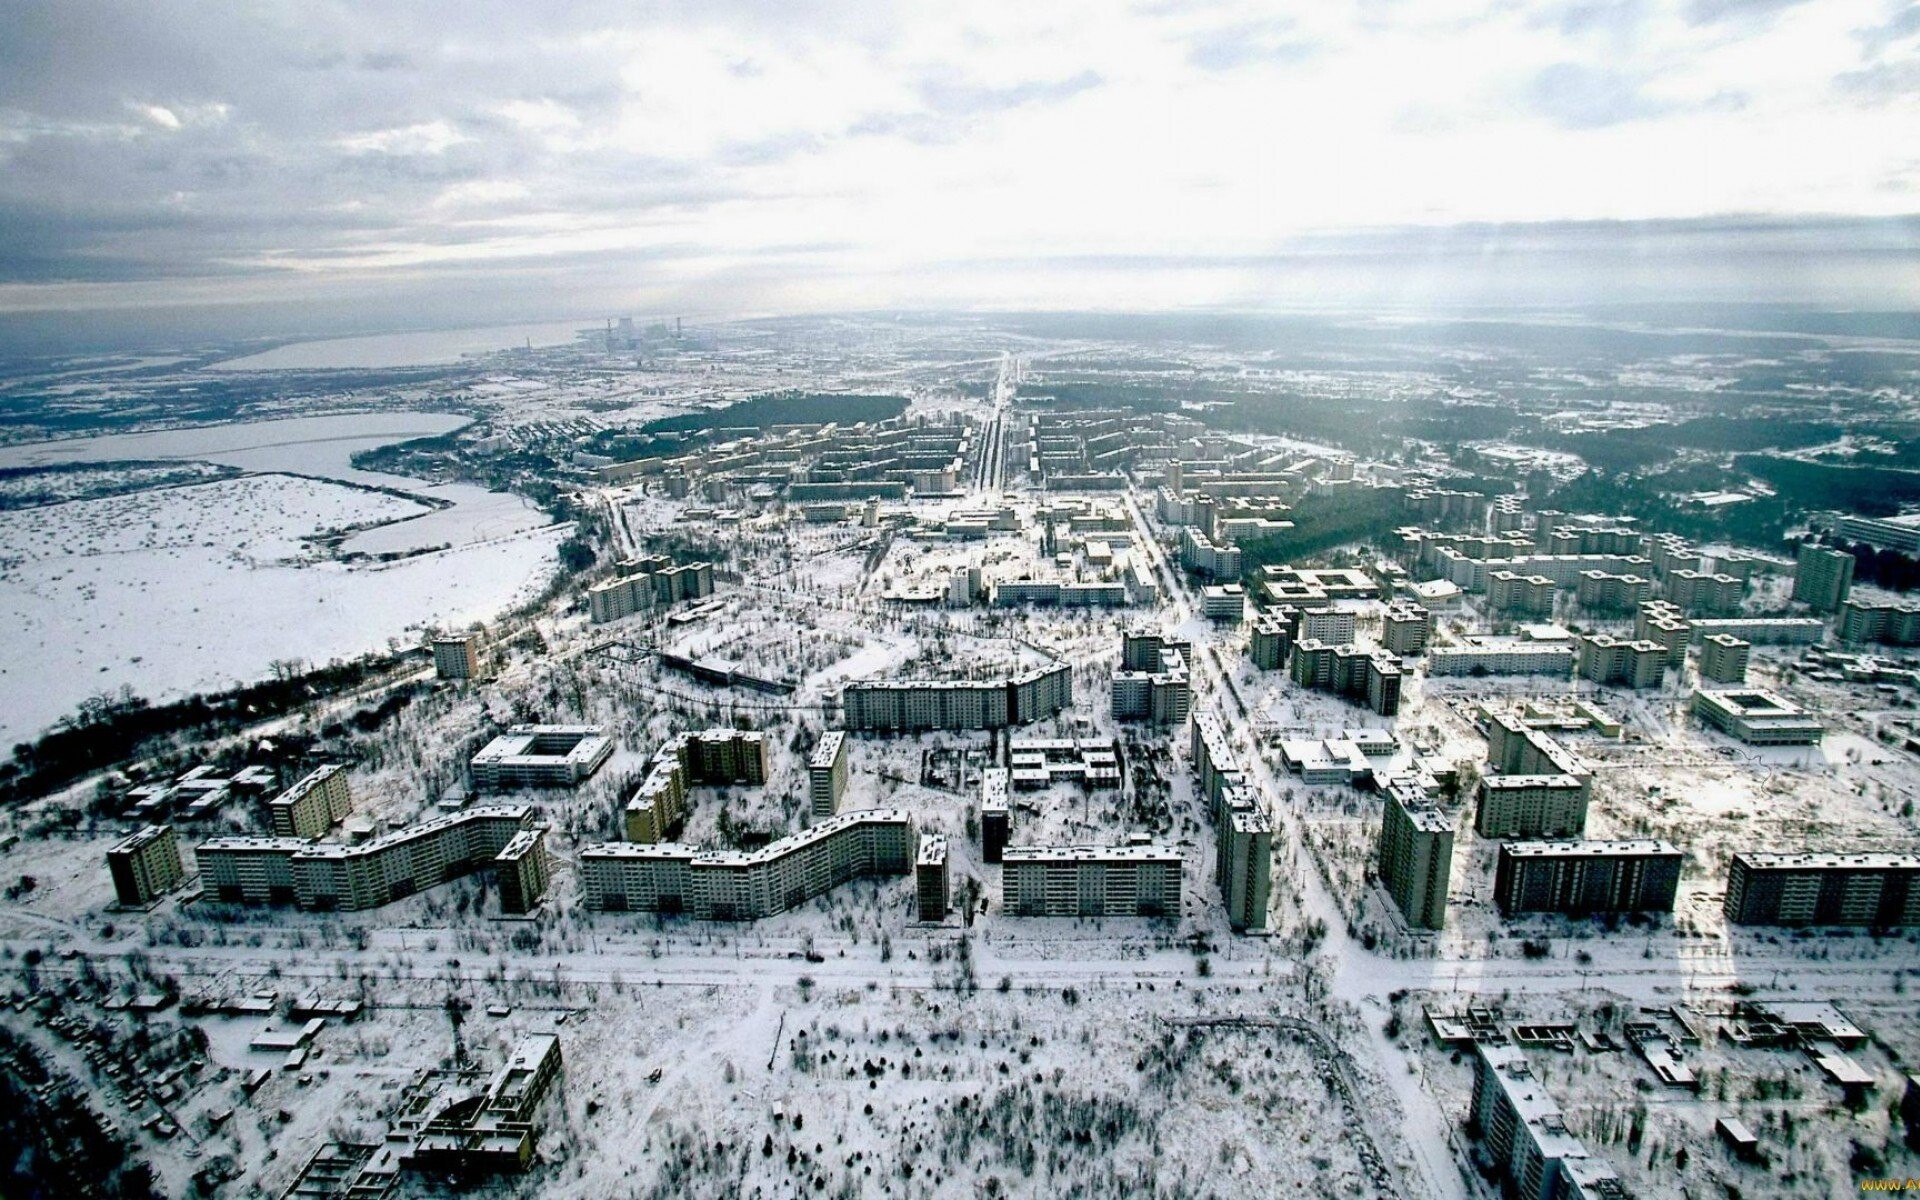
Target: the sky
(413, 164)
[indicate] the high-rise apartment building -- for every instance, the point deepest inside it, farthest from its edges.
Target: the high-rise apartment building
(1416, 857)
(1579, 878)
(1871, 890)
(145, 866)
(1822, 577)
(461, 656)
(1091, 881)
(827, 773)
(931, 885)
(315, 804)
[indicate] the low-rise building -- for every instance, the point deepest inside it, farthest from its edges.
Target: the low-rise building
(1757, 717)
(541, 756)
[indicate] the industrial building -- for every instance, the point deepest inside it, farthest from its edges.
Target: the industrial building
(145, 866)
(1091, 881)
(912, 706)
(1416, 857)
(1579, 878)
(315, 804)
(540, 756)
(733, 885)
(1869, 890)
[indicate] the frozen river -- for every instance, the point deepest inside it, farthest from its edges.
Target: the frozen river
(427, 348)
(196, 588)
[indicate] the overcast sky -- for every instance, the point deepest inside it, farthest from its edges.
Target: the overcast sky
(473, 159)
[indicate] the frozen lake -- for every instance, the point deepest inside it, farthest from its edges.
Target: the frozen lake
(427, 348)
(188, 589)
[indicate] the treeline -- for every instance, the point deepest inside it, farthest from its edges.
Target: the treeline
(52, 1145)
(1323, 519)
(1869, 491)
(1890, 569)
(106, 732)
(784, 408)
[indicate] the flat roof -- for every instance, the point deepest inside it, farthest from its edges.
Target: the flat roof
(1160, 854)
(1588, 849)
(1770, 861)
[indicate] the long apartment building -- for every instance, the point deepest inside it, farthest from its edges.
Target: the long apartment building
(1510, 593)
(1890, 624)
(1524, 1136)
(328, 876)
(713, 757)
(1365, 676)
(731, 885)
(145, 866)
(1711, 594)
(826, 773)
(315, 804)
(1536, 788)
(910, 706)
(1580, 878)
(1091, 881)
(1608, 591)
(1501, 657)
(1416, 856)
(540, 756)
(1870, 890)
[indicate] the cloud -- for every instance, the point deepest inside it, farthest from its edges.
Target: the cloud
(1710, 12)
(1271, 42)
(428, 137)
(1574, 96)
(159, 115)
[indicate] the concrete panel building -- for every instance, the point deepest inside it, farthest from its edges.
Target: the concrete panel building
(1511, 594)
(996, 792)
(461, 656)
(145, 866)
(827, 773)
(1405, 628)
(1890, 624)
(1501, 658)
(315, 804)
(1532, 806)
(931, 884)
(1723, 658)
(1272, 641)
(1245, 859)
(1867, 890)
(1822, 577)
(912, 706)
(1757, 717)
(522, 870)
(1365, 676)
(541, 756)
(1611, 660)
(1579, 878)
(730, 885)
(1091, 881)
(1524, 1136)
(1416, 857)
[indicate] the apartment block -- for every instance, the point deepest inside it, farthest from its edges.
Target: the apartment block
(1660, 622)
(1611, 660)
(1524, 1137)
(715, 757)
(730, 885)
(461, 656)
(145, 866)
(1757, 717)
(1093, 763)
(1245, 859)
(1890, 624)
(931, 886)
(911, 706)
(1901, 534)
(522, 869)
(1711, 594)
(1200, 554)
(827, 773)
(540, 756)
(1510, 593)
(1822, 577)
(1532, 806)
(1416, 857)
(1091, 881)
(1364, 676)
(1271, 643)
(1224, 602)
(1580, 878)
(1869, 890)
(328, 876)
(315, 804)
(1607, 592)
(1405, 628)
(996, 791)
(1162, 696)
(1502, 657)
(1723, 658)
